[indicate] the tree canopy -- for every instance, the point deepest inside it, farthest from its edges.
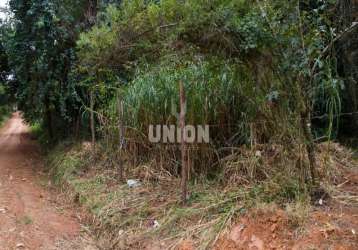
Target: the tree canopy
(271, 66)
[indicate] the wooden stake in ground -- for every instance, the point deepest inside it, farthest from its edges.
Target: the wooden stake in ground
(184, 167)
(92, 120)
(121, 135)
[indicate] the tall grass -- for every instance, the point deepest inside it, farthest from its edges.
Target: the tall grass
(220, 93)
(215, 95)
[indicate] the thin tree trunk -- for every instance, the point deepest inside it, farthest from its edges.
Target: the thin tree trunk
(252, 135)
(91, 12)
(306, 128)
(305, 123)
(49, 123)
(49, 119)
(121, 136)
(77, 126)
(92, 120)
(184, 168)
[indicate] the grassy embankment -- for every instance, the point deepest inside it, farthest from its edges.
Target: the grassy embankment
(126, 218)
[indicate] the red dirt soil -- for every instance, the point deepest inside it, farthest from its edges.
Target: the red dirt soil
(29, 215)
(333, 225)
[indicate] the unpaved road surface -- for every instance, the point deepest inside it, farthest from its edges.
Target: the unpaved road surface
(29, 216)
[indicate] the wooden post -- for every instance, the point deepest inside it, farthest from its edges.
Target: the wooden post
(252, 135)
(77, 126)
(184, 167)
(92, 121)
(310, 147)
(121, 135)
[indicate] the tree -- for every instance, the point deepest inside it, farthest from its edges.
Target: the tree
(42, 53)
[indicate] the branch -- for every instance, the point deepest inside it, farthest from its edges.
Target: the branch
(330, 45)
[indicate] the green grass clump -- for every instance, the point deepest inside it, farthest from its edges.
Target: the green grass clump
(64, 165)
(25, 220)
(279, 189)
(91, 192)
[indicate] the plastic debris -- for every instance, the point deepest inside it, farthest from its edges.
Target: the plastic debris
(20, 245)
(133, 183)
(156, 224)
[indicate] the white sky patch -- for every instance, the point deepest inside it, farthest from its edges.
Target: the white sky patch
(3, 4)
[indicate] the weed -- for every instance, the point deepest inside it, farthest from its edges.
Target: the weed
(298, 213)
(25, 220)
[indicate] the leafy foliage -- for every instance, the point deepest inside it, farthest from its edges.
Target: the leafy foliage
(255, 71)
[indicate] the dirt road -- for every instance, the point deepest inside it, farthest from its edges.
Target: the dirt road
(29, 215)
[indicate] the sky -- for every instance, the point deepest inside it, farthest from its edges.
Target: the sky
(3, 3)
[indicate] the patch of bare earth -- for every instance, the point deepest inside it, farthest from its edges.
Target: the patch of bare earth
(331, 225)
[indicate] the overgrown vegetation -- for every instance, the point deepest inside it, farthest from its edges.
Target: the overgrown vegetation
(270, 79)
(152, 216)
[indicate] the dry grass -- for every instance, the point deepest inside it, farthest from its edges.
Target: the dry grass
(130, 218)
(298, 213)
(134, 218)
(131, 214)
